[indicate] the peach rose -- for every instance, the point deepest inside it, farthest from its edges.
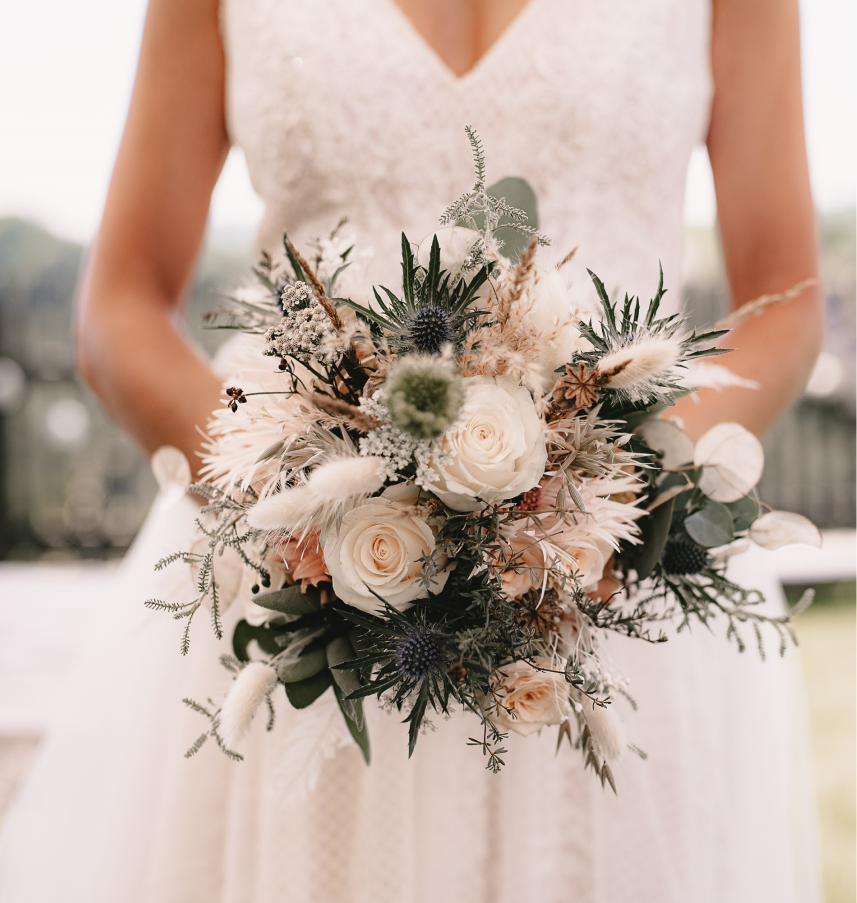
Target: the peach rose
(305, 562)
(534, 698)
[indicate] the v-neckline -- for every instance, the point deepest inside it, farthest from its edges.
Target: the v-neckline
(430, 52)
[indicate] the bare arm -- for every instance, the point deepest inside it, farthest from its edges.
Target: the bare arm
(767, 222)
(131, 348)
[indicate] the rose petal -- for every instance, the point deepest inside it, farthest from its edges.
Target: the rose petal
(784, 528)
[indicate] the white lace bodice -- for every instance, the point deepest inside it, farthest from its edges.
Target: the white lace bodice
(342, 108)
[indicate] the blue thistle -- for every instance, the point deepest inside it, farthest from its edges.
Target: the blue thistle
(682, 557)
(433, 310)
(409, 658)
(430, 330)
(419, 653)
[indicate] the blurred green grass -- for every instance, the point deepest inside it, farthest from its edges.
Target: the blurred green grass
(827, 638)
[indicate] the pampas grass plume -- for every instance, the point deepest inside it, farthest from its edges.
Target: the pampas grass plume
(284, 510)
(607, 730)
(705, 375)
(339, 480)
(247, 693)
(641, 361)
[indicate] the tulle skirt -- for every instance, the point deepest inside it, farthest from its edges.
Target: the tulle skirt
(720, 810)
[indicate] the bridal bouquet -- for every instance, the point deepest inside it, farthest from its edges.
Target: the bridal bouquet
(447, 494)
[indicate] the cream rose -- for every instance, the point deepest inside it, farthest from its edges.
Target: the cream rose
(377, 549)
(496, 450)
(537, 698)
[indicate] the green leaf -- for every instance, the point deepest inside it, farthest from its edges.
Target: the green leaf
(359, 731)
(338, 651)
(299, 273)
(517, 193)
(604, 298)
(416, 718)
(366, 312)
(305, 692)
(473, 287)
(433, 273)
(244, 633)
(307, 665)
(376, 687)
(671, 480)
(710, 526)
(743, 512)
(408, 268)
(654, 532)
(290, 600)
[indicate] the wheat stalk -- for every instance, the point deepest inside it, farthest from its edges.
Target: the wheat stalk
(318, 288)
(754, 308)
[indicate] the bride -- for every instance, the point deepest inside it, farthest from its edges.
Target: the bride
(357, 107)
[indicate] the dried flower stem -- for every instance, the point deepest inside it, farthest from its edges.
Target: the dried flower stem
(317, 287)
(339, 408)
(568, 257)
(519, 276)
(754, 308)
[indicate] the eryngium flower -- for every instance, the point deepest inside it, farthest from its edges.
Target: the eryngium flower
(682, 557)
(419, 652)
(423, 397)
(430, 330)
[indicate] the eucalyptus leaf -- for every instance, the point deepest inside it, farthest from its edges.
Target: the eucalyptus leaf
(518, 193)
(357, 729)
(338, 651)
(654, 532)
(666, 437)
(711, 526)
(743, 512)
(305, 692)
(291, 600)
(245, 632)
(732, 460)
(782, 528)
(307, 665)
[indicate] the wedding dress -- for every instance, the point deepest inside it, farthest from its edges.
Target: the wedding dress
(342, 108)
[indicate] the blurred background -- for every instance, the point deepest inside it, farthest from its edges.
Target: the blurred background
(74, 490)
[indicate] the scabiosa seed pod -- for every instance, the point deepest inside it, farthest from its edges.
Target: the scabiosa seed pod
(419, 653)
(423, 397)
(683, 557)
(430, 330)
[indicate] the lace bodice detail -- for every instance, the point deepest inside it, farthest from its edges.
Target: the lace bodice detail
(341, 107)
